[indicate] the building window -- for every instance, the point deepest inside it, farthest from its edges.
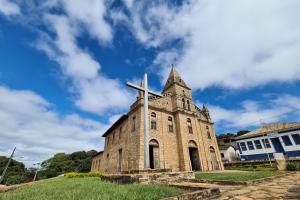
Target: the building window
(107, 142)
(243, 146)
(286, 140)
(257, 144)
(183, 104)
(250, 145)
(188, 105)
(266, 143)
(296, 138)
(208, 132)
(222, 155)
(189, 124)
(170, 124)
(153, 121)
(120, 132)
(133, 124)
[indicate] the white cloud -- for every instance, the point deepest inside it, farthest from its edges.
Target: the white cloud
(9, 8)
(30, 123)
(233, 44)
(252, 113)
(102, 94)
(90, 13)
(93, 91)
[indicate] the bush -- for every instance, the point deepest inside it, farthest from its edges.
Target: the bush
(80, 175)
(293, 166)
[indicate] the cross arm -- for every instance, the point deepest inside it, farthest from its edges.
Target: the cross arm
(154, 93)
(143, 89)
(135, 87)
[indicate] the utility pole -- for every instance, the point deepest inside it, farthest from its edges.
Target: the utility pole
(36, 171)
(7, 164)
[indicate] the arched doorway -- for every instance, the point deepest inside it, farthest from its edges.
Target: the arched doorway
(194, 156)
(213, 157)
(154, 154)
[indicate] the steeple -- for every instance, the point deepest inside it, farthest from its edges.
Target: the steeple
(174, 78)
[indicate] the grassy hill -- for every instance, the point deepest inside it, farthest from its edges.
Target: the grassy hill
(90, 188)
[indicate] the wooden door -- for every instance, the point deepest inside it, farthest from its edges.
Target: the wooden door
(214, 160)
(156, 157)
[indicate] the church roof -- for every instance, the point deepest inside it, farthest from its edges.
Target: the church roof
(174, 78)
(98, 153)
(118, 122)
(271, 128)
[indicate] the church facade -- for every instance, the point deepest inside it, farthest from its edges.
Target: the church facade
(181, 136)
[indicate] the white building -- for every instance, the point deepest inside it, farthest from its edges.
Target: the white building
(273, 138)
(228, 153)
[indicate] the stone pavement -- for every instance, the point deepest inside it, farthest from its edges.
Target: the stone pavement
(275, 189)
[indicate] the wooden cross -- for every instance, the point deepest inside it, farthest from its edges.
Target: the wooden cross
(146, 92)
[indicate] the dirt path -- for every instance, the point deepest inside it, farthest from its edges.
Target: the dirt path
(273, 190)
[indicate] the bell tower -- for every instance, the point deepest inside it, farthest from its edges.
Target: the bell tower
(180, 92)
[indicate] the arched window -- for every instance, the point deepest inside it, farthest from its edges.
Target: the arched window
(133, 127)
(189, 124)
(183, 103)
(153, 121)
(188, 105)
(208, 132)
(170, 124)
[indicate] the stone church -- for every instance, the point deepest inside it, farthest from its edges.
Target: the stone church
(182, 136)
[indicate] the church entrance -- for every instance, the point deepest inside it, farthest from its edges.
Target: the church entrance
(194, 156)
(154, 154)
(213, 157)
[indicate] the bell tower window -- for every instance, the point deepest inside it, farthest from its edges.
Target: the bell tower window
(188, 105)
(183, 104)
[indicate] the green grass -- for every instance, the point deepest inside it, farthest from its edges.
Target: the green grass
(88, 189)
(252, 167)
(236, 176)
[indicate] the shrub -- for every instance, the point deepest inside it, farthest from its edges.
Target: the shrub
(293, 166)
(80, 175)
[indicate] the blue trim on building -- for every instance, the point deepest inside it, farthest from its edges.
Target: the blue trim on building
(293, 153)
(262, 156)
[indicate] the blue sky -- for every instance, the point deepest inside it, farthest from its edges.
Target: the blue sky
(64, 64)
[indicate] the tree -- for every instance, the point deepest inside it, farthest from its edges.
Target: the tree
(16, 172)
(226, 135)
(61, 163)
(242, 132)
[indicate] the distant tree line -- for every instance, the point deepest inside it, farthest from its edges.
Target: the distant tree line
(239, 133)
(60, 163)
